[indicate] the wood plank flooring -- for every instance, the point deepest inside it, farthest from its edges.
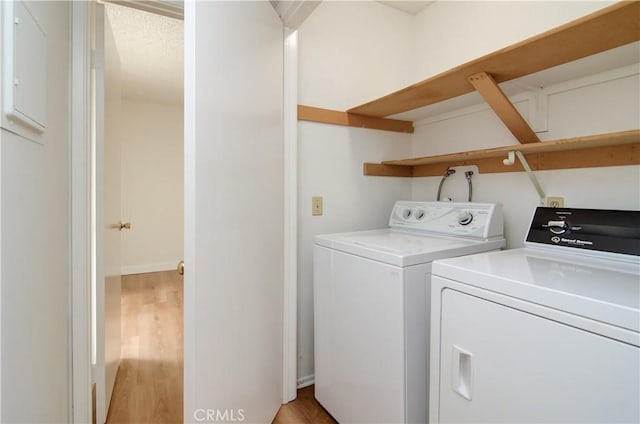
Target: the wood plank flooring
(304, 410)
(149, 385)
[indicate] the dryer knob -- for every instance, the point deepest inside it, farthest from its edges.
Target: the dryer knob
(557, 227)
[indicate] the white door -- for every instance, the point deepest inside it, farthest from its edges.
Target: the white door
(233, 211)
(107, 213)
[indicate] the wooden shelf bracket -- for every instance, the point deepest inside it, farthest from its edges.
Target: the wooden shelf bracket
(502, 106)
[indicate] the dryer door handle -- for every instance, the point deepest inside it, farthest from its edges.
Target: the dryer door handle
(462, 372)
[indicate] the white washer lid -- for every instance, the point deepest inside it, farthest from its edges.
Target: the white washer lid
(604, 290)
(401, 248)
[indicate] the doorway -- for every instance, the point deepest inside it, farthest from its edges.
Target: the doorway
(139, 219)
(259, 90)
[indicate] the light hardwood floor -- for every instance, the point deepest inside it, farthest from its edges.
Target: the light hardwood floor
(304, 410)
(149, 386)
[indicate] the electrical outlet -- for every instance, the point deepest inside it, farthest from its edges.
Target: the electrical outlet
(555, 202)
(316, 205)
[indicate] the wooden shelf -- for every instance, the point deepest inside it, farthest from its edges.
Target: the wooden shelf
(611, 27)
(328, 116)
(606, 29)
(612, 149)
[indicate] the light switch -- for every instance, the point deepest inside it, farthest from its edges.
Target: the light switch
(316, 205)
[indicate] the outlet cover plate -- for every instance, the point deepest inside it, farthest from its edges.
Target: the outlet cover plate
(554, 202)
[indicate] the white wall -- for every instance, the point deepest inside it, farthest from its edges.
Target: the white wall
(353, 52)
(349, 53)
(35, 247)
(609, 102)
(152, 185)
(450, 33)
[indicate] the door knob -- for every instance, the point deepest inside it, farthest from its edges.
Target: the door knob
(181, 268)
(124, 225)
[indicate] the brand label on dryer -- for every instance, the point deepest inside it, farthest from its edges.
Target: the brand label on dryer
(572, 241)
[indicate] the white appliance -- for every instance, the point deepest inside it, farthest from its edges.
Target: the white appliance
(371, 300)
(545, 333)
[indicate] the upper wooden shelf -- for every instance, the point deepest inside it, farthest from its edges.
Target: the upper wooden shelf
(328, 116)
(606, 29)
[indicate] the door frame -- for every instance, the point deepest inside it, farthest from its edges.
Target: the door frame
(290, 292)
(80, 371)
(80, 219)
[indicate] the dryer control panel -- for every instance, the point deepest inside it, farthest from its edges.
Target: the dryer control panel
(475, 220)
(587, 230)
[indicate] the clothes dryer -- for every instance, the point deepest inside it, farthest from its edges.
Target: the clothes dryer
(545, 333)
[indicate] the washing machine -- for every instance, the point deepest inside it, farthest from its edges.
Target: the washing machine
(371, 307)
(545, 333)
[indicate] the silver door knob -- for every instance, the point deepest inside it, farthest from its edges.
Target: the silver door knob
(180, 268)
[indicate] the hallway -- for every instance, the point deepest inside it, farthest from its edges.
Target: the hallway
(149, 384)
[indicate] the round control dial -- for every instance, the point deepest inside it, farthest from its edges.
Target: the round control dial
(558, 227)
(465, 218)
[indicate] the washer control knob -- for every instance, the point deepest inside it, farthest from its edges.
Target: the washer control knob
(465, 218)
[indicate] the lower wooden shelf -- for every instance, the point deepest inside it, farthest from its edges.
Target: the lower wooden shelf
(611, 149)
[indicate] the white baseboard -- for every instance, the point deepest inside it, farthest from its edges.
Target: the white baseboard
(141, 269)
(306, 381)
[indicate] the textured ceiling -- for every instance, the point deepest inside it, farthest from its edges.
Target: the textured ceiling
(151, 50)
(151, 54)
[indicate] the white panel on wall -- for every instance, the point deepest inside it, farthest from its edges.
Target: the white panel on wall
(486, 130)
(24, 71)
(595, 109)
